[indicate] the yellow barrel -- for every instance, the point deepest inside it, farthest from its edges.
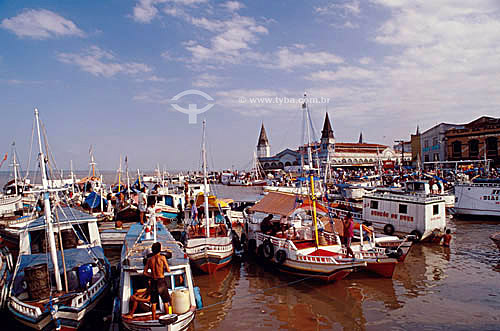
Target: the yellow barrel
(180, 301)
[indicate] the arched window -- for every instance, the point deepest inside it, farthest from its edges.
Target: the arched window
(349, 161)
(473, 149)
(456, 150)
(287, 164)
(492, 147)
(266, 165)
(295, 163)
(344, 161)
(280, 165)
(273, 165)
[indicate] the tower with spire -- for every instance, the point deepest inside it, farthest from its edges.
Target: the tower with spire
(360, 141)
(327, 138)
(263, 147)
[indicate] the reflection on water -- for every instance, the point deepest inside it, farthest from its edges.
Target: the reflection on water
(435, 288)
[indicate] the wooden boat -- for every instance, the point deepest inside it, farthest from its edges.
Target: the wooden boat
(496, 239)
(38, 300)
(6, 269)
(211, 246)
(136, 246)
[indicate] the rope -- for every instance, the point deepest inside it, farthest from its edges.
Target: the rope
(253, 294)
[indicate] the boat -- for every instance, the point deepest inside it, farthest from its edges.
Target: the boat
(296, 240)
(135, 248)
(6, 269)
(37, 297)
(411, 211)
(210, 246)
(481, 197)
(496, 239)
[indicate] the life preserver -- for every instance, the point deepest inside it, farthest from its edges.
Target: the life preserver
(280, 256)
(389, 229)
(394, 253)
(268, 249)
(417, 234)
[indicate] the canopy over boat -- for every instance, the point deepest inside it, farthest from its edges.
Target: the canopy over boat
(213, 202)
(65, 215)
(89, 179)
(284, 204)
(93, 200)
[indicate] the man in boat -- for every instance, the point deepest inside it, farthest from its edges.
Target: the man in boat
(142, 204)
(267, 226)
(155, 268)
(142, 295)
(194, 217)
(348, 234)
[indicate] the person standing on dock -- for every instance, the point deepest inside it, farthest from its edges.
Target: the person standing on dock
(155, 268)
(142, 204)
(348, 234)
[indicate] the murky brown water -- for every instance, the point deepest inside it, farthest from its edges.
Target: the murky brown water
(435, 288)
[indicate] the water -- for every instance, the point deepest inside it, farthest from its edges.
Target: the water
(435, 288)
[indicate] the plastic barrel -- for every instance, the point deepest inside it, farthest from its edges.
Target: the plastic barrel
(37, 281)
(180, 301)
(85, 274)
(69, 239)
(197, 296)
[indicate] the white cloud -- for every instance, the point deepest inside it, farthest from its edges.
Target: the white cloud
(146, 10)
(233, 6)
(343, 8)
(287, 59)
(343, 73)
(365, 60)
(99, 62)
(41, 24)
(206, 80)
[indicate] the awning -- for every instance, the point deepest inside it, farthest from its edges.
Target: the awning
(213, 202)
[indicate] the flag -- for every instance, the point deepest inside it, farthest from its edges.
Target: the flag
(5, 157)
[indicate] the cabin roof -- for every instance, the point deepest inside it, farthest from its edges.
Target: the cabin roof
(65, 215)
(140, 248)
(276, 203)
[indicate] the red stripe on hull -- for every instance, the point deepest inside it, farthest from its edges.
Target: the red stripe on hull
(384, 269)
(211, 268)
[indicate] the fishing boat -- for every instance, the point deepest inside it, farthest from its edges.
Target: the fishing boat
(210, 245)
(136, 246)
(481, 197)
(6, 268)
(411, 211)
(496, 239)
(37, 297)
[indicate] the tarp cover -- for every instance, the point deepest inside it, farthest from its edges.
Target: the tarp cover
(276, 203)
(73, 257)
(93, 200)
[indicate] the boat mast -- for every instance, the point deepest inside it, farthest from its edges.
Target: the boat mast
(72, 177)
(308, 120)
(120, 175)
(46, 207)
(205, 184)
(15, 165)
(313, 198)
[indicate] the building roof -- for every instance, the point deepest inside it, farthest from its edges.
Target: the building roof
(263, 141)
(327, 131)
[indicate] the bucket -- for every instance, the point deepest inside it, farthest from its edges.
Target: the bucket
(69, 239)
(37, 280)
(180, 301)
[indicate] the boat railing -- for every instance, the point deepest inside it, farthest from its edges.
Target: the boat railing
(317, 259)
(10, 199)
(478, 184)
(343, 212)
(82, 299)
(278, 242)
(349, 204)
(409, 198)
(24, 308)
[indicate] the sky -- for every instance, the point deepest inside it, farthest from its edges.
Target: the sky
(104, 73)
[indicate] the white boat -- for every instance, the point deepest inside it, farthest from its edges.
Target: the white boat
(135, 248)
(409, 211)
(209, 247)
(479, 198)
(35, 299)
(6, 269)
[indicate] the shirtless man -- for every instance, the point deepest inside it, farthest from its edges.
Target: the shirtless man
(447, 238)
(155, 268)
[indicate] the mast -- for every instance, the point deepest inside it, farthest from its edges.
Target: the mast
(205, 185)
(46, 205)
(72, 177)
(308, 120)
(15, 166)
(92, 161)
(128, 178)
(313, 198)
(102, 198)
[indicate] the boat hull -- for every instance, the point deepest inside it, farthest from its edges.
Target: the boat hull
(183, 322)
(210, 263)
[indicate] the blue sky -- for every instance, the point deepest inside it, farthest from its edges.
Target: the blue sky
(103, 73)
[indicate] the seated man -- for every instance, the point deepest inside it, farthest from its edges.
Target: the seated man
(141, 295)
(266, 226)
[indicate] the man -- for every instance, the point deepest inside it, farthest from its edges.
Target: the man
(266, 226)
(194, 217)
(348, 233)
(142, 204)
(142, 295)
(155, 268)
(447, 238)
